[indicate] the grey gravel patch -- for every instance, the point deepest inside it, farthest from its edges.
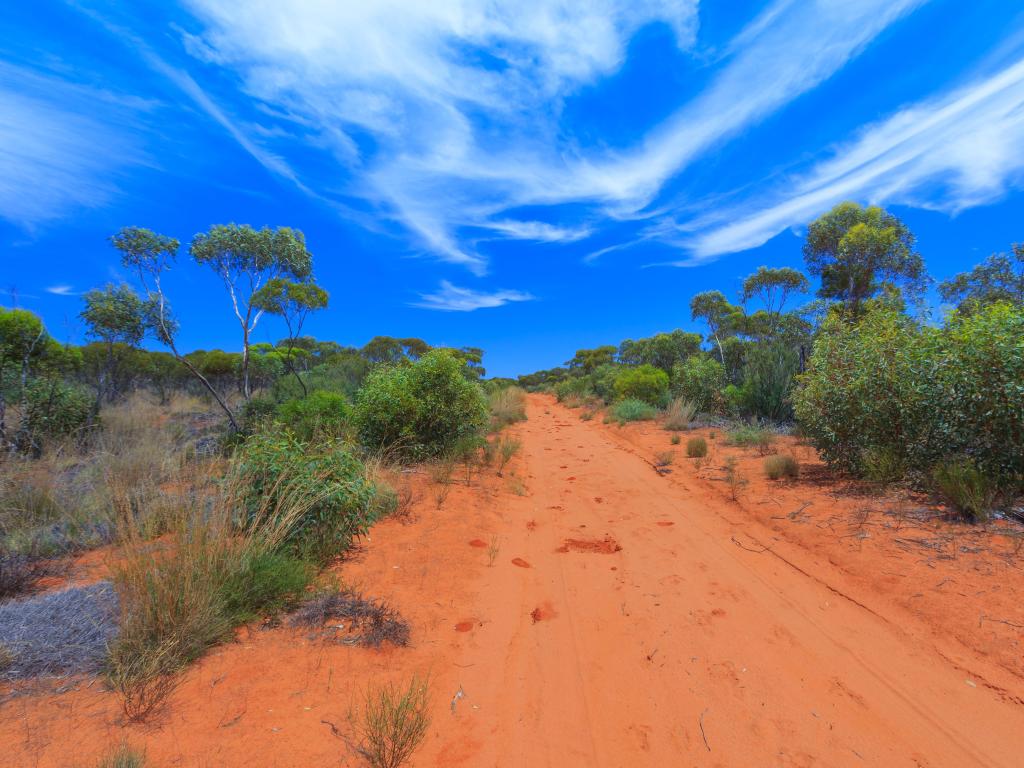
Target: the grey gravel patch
(59, 633)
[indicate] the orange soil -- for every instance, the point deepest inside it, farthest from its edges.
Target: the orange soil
(799, 626)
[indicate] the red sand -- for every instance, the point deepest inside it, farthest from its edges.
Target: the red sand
(804, 625)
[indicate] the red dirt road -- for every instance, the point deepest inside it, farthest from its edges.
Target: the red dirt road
(628, 619)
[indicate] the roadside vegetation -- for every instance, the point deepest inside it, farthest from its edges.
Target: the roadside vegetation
(224, 483)
(885, 390)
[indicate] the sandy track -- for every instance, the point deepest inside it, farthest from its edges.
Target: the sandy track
(684, 648)
(629, 619)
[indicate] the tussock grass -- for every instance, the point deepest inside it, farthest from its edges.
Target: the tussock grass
(123, 756)
(696, 447)
(751, 436)
(679, 414)
(507, 448)
(631, 410)
(781, 466)
(966, 488)
(508, 406)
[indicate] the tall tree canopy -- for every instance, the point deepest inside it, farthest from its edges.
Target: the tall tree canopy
(857, 251)
(720, 316)
(292, 302)
(245, 259)
(999, 278)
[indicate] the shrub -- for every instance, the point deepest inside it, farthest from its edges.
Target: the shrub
(567, 389)
(861, 388)
(53, 409)
(319, 414)
(123, 757)
(768, 376)
(882, 465)
(256, 413)
(700, 380)
(751, 436)
(631, 410)
(675, 440)
(664, 458)
(393, 723)
(264, 583)
(508, 406)
(966, 488)
(734, 478)
(696, 447)
(645, 383)
(367, 622)
(679, 414)
(921, 393)
(324, 490)
(781, 466)
(507, 447)
(419, 410)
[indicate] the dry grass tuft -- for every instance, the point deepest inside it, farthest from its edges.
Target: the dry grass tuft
(781, 466)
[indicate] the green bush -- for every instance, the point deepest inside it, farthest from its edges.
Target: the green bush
(321, 413)
(919, 394)
(327, 484)
(882, 465)
(700, 380)
(54, 409)
(631, 410)
(256, 413)
(645, 383)
(264, 584)
(751, 436)
(862, 389)
(420, 410)
(968, 490)
(768, 376)
(782, 466)
(696, 447)
(575, 388)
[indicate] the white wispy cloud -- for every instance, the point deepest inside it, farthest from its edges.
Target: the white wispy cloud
(451, 298)
(448, 115)
(62, 290)
(50, 134)
(950, 152)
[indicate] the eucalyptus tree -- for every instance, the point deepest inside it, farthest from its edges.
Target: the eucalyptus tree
(115, 316)
(718, 313)
(292, 302)
(773, 286)
(150, 256)
(857, 252)
(246, 259)
(999, 278)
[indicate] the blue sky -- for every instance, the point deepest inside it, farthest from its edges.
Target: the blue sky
(529, 177)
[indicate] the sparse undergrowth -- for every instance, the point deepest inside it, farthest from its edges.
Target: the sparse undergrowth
(781, 466)
(631, 410)
(393, 722)
(362, 621)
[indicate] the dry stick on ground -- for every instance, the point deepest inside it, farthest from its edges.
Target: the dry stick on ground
(702, 734)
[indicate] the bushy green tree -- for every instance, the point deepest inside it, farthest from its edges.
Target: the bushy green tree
(700, 380)
(998, 278)
(662, 350)
(856, 251)
(421, 410)
(768, 378)
(246, 259)
(645, 383)
(773, 287)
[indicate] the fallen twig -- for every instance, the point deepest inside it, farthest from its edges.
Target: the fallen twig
(702, 734)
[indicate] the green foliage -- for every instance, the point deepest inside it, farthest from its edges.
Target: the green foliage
(265, 583)
(123, 757)
(114, 314)
(999, 278)
(768, 378)
(572, 388)
(862, 388)
(882, 465)
(420, 410)
(857, 251)
(781, 466)
(393, 723)
(645, 383)
(327, 484)
(663, 350)
(631, 410)
(921, 393)
(320, 414)
(967, 489)
(54, 409)
(700, 381)
(675, 439)
(751, 436)
(588, 360)
(696, 447)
